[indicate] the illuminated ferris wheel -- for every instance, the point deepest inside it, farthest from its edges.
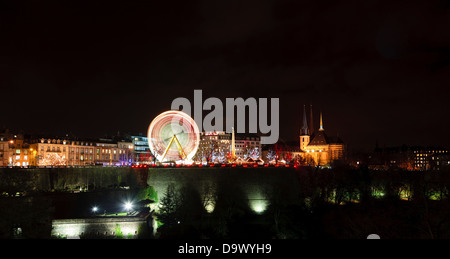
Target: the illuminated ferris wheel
(173, 136)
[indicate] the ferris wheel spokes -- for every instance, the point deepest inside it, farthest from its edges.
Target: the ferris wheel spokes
(169, 127)
(180, 149)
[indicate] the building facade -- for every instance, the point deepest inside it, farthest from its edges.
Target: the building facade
(4, 152)
(412, 158)
(430, 158)
(142, 154)
(214, 146)
(20, 152)
(126, 152)
(248, 146)
(5, 141)
(66, 152)
(317, 148)
(217, 147)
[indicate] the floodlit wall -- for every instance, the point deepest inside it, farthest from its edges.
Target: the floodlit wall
(254, 183)
(99, 228)
(46, 179)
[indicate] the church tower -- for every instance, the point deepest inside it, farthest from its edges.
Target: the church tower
(304, 132)
(321, 123)
(319, 148)
(311, 121)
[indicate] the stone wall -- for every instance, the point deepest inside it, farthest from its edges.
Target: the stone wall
(117, 227)
(253, 183)
(46, 179)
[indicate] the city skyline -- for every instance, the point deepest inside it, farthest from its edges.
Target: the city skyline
(366, 147)
(224, 127)
(377, 71)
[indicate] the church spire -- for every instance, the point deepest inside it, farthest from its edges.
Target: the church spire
(311, 121)
(304, 130)
(321, 123)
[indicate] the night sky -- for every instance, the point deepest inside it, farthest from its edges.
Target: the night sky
(378, 70)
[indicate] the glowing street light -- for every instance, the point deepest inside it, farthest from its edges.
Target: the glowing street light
(94, 209)
(128, 206)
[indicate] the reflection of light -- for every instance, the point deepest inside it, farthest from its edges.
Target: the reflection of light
(258, 206)
(129, 229)
(378, 194)
(69, 230)
(184, 162)
(373, 236)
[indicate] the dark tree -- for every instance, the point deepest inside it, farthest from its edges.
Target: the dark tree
(168, 213)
